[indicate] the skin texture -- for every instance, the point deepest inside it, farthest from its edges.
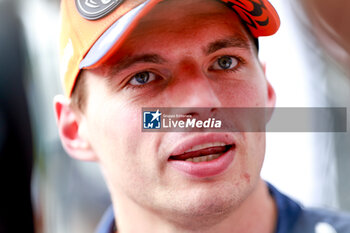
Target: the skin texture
(185, 39)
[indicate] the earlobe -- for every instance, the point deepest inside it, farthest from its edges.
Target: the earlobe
(72, 130)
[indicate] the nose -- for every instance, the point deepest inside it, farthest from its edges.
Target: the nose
(191, 88)
(192, 92)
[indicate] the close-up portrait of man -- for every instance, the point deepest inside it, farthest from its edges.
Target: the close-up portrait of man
(118, 57)
(175, 116)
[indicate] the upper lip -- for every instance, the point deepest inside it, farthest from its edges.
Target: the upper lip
(188, 143)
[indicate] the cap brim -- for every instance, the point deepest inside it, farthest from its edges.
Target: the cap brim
(115, 35)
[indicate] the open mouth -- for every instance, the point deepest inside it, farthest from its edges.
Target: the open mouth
(203, 153)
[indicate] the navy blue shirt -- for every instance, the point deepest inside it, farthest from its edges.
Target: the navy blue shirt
(288, 210)
(292, 218)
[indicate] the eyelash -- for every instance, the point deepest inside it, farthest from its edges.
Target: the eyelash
(240, 62)
(128, 85)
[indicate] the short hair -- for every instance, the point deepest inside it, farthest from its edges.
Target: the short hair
(79, 93)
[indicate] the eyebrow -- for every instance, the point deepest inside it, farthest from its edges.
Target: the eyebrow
(212, 47)
(238, 42)
(126, 62)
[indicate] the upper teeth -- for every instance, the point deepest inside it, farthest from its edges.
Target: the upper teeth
(203, 158)
(206, 145)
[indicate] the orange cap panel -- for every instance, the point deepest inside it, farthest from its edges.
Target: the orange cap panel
(79, 34)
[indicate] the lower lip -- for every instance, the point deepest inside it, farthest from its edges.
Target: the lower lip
(204, 169)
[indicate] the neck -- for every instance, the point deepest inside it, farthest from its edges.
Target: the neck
(256, 214)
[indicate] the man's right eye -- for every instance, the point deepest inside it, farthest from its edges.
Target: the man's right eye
(142, 78)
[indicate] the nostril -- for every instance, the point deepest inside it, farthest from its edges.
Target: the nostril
(202, 113)
(213, 111)
(193, 114)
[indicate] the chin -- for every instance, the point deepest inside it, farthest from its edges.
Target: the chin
(201, 208)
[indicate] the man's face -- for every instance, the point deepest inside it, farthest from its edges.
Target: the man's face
(182, 54)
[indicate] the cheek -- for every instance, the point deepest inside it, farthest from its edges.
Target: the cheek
(115, 131)
(252, 156)
(257, 147)
(243, 94)
(123, 150)
(247, 88)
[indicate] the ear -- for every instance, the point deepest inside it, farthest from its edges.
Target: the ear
(72, 130)
(271, 95)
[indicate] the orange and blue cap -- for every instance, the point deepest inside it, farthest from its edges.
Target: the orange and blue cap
(93, 30)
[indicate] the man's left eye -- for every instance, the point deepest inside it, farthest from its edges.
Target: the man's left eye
(225, 63)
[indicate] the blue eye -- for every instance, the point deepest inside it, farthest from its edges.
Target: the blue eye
(142, 78)
(225, 63)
